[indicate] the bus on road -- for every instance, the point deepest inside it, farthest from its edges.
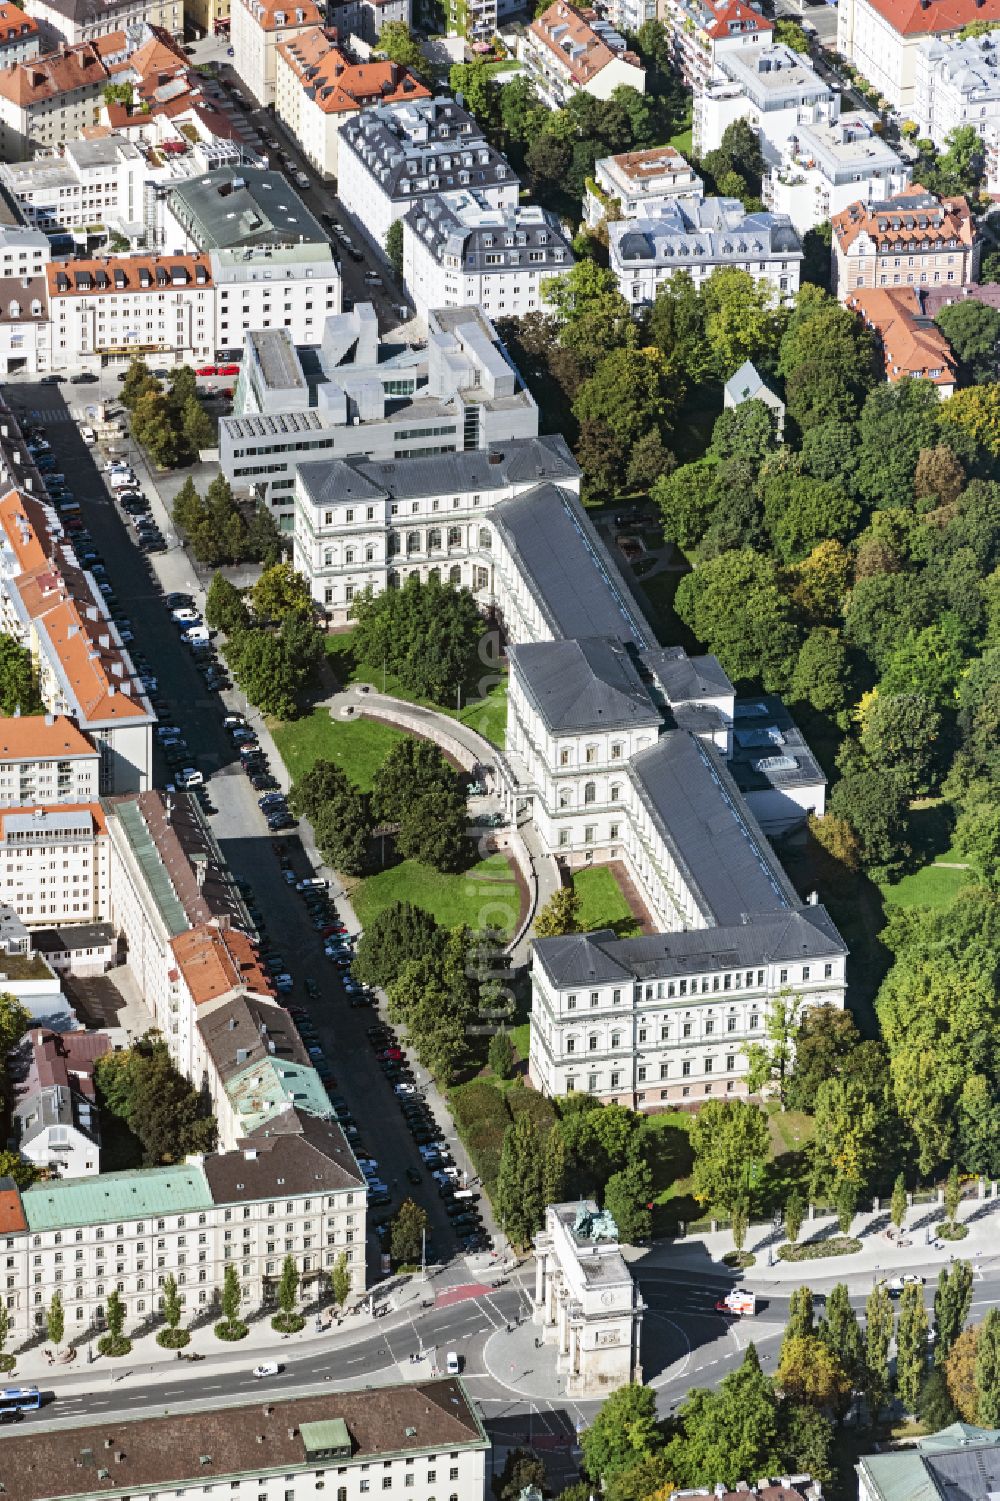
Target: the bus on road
(17, 1399)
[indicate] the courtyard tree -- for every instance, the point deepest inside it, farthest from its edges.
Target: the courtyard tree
(287, 1320)
(172, 1337)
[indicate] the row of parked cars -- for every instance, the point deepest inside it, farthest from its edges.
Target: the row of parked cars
(124, 485)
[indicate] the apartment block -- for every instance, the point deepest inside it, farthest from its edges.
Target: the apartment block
(458, 392)
(70, 22)
(566, 50)
(19, 38)
(319, 88)
(704, 31)
(425, 1440)
(207, 965)
(257, 29)
(637, 184)
(46, 759)
(827, 166)
(883, 38)
(399, 156)
(699, 236)
(99, 181)
(461, 251)
(957, 83)
(771, 86)
(113, 309)
(57, 612)
(55, 863)
(911, 239)
(913, 346)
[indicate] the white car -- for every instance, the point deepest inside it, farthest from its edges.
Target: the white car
(196, 633)
(181, 617)
(122, 479)
(908, 1279)
(89, 436)
(269, 1368)
(311, 883)
(189, 777)
(302, 180)
(452, 1363)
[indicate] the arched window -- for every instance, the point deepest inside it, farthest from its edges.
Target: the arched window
(455, 574)
(590, 792)
(485, 538)
(435, 574)
(36, 308)
(412, 543)
(14, 308)
(434, 539)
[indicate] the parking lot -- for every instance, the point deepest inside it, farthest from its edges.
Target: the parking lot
(306, 942)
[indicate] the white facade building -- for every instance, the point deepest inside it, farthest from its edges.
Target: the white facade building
(55, 863)
(637, 184)
(425, 1441)
(46, 760)
(771, 86)
(565, 52)
(883, 38)
(699, 236)
(400, 156)
(70, 22)
(390, 401)
(257, 29)
(957, 83)
(703, 31)
(107, 311)
(586, 1299)
(826, 166)
(98, 181)
(459, 251)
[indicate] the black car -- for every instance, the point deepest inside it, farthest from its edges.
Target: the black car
(84, 378)
(412, 1176)
(262, 781)
(179, 601)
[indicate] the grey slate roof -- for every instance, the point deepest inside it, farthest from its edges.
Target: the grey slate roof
(685, 678)
(577, 587)
(245, 1031)
(584, 684)
(960, 1462)
(243, 206)
(294, 1153)
(483, 469)
(715, 840)
(404, 146)
(603, 958)
(489, 240)
(692, 231)
(769, 749)
(56, 1105)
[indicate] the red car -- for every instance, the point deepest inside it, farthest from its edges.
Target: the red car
(207, 370)
(390, 1055)
(227, 370)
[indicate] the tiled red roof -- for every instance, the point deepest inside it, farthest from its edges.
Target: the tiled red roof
(928, 17)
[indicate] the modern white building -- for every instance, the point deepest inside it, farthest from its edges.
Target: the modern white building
(93, 181)
(704, 31)
(400, 156)
(55, 863)
(357, 527)
(957, 83)
(319, 88)
(423, 1440)
(826, 166)
(699, 236)
(460, 251)
(771, 86)
(257, 29)
(45, 759)
(360, 393)
(586, 1300)
(637, 184)
(883, 38)
(566, 51)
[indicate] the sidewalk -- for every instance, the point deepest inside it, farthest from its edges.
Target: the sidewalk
(917, 1249)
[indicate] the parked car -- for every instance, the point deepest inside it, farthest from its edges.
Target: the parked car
(190, 777)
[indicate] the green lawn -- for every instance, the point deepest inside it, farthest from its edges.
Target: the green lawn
(359, 746)
(938, 881)
(602, 902)
(486, 892)
(485, 712)
(934, 886)
(682, 141)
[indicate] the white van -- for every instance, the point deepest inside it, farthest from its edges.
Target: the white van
(89, 436)
(452, 1364)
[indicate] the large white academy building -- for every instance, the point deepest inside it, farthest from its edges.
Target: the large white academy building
(619, 750)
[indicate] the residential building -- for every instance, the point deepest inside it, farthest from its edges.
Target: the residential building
(371, 524)
(364, 19)
(19, 40)
(257, 29)
(825, 167)
(83, 949)
(50, 99)
(423, 1439)
(109, 310)
(957, 83)
(911, 239)
(55, 610)
(293, 1188)
(167, 877)
(460, 251)
(959, 1461)
(271, 262)
(397, 157)
(70, 22)
(209, 17)
(586, 1300)
(55, 1107)
(28, 975)
(771, 86)
(699, 236)
(637, 184)
(55, 863)
(46, 759)
(319, 88)
(912, 344)
(749, 385)
(705, 31)
(98, 180)
(24, 314)
(458, 392)
(207, 966)
(882, 38)
(935, 298)
(567, 49)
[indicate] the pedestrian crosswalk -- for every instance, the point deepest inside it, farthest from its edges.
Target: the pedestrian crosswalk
(51, 414)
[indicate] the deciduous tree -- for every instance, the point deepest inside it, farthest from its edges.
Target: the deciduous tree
(408, 1228)
(624, 1430)
(730, 1140)
(560, 915)
(952, 1301)
(879, 1323)
(519, 1200)
(911, 1344)
(18, 693)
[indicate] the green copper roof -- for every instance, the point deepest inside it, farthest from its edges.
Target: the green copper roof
(116, 1197)
(169, 905)
(265, 1089)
